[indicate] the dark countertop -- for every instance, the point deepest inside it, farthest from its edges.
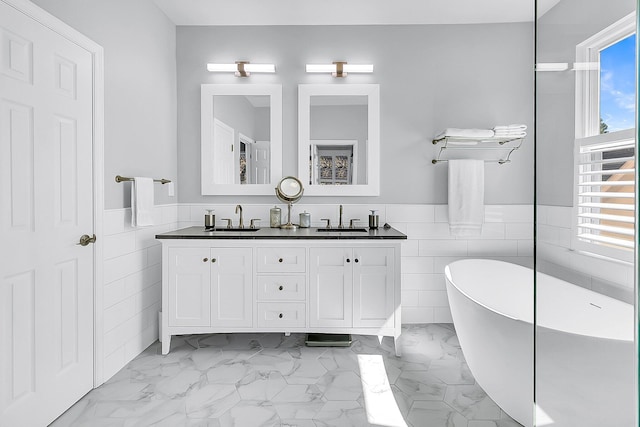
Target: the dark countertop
(278, 233)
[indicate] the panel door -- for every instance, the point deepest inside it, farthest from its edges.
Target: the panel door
(231, 287)
(260, 162)
(46, 189)
(373, 285)
(223, 143)
(330, 287)
(189, 287)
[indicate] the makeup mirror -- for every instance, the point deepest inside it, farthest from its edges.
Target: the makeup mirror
(289, 191)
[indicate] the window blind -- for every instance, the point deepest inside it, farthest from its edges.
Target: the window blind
(606, 194)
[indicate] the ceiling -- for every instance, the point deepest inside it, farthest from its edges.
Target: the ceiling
(349, 12)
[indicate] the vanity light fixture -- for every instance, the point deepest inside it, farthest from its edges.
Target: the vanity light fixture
(242, 68)
(339, 68)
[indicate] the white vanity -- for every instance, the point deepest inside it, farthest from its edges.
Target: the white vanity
(275, 280)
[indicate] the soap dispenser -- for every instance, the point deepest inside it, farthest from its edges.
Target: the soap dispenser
(373, 220)
(209, 220)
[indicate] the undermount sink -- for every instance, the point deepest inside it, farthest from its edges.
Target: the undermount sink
(342, 230)
(234, 229)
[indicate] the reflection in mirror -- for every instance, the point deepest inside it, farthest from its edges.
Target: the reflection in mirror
(339, 139)
(241, 138)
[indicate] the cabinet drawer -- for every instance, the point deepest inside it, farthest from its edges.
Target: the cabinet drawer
(281, 315)
(281, 288)
(281, 260)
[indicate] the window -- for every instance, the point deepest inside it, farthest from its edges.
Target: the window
(605, 142)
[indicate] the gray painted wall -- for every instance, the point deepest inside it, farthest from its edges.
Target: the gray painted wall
(569, 23)
(139, 44)
(431, 77)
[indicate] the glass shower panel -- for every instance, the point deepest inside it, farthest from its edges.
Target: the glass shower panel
(585, 352)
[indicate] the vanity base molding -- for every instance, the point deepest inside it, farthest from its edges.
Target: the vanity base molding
(345, 286)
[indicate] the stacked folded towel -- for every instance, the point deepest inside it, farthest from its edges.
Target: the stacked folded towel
(510, 131)
(466, 133)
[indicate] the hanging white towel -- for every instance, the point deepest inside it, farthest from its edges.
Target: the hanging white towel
(142, 202)
(466, 197)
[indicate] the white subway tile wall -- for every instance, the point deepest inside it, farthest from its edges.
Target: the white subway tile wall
(556, 257)
(132, 284)
(507, 235)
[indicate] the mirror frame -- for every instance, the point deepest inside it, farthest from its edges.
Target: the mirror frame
(372, 91)
(207, 92)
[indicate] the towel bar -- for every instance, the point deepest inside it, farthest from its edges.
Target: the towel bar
(482, 144)
(124, 178)
(500, 161)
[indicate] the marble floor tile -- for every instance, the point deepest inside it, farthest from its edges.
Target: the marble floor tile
(421, 385)
(435, 414)
(249, 380)
(451, 371)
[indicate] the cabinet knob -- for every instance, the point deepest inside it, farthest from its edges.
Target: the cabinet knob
(205, 260)
(280, 315)
(213, 260)
(348, 260)
(280, 287)
(280, 260)
(357, 260)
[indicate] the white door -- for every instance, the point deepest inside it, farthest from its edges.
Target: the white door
(46, 190)
(231, 287)
(330, 287)
(260, 162)
(224, 164)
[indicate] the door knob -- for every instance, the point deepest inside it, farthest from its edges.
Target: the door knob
(85, 240)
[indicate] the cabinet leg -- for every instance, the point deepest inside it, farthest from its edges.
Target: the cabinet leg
(396, 344)
(166, 344)
(287, 334)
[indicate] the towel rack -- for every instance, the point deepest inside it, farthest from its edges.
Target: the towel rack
(476, 144)
(124, 179)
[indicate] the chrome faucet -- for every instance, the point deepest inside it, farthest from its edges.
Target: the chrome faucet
(241, 225)
(340, 222)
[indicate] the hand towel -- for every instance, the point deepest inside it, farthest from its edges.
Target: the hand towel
(514, 127)
(510, 134)
(142, 202)
(466, 197)
(466, 133)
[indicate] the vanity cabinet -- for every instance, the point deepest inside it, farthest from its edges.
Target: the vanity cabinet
(331, 287)
(209, 287)
(279, 281)
(352, 287)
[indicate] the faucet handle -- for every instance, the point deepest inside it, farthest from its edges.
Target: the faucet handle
(351, 222)
(229, 222)
(252, 223)
(328, 221)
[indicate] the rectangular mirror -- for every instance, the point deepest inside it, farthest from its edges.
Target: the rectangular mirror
(241, 138)
(339, 139)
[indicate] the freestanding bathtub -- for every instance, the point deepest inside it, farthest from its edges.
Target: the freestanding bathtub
(584, 345)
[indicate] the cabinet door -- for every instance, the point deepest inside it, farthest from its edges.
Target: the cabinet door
(189, 287)
(231, 287)
(331, 287)
(373, 281)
